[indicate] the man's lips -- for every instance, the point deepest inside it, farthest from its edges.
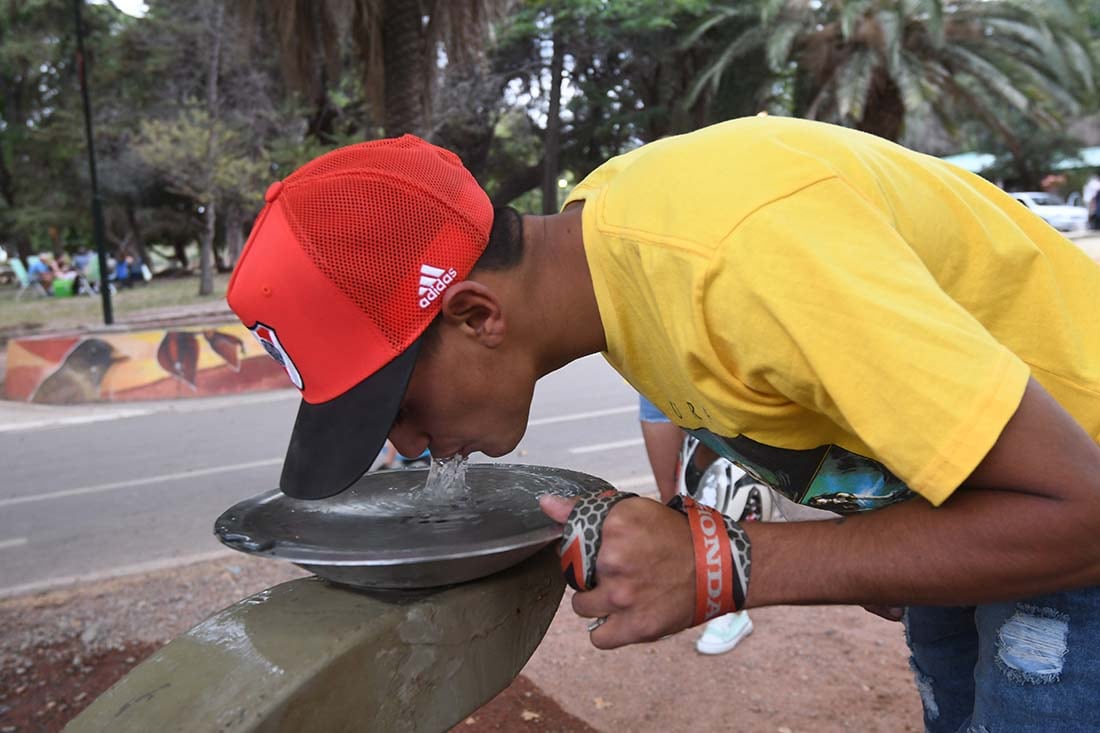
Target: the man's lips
(450, 451)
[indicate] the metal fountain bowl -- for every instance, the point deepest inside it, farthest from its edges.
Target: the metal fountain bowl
(386, 532)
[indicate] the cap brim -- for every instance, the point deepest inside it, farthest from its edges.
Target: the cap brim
(335, 442)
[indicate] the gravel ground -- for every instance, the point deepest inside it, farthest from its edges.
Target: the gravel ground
(826, 669)
(148, 608)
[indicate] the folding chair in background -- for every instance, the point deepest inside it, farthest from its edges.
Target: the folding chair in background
(92, 279)
(25, 281)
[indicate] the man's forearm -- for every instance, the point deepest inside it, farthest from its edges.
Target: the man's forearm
(1027, 521)
(980, 546)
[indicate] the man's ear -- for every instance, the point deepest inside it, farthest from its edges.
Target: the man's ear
(475, 310)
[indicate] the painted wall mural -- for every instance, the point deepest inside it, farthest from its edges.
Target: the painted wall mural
(197, 361)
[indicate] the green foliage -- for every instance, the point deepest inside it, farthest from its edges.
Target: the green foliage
(626, 73)
(634, 70)
(872, 63)
(178, 149)
(1023, 166)
(40, 134)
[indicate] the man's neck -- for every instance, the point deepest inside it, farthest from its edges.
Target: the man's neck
(563, 317)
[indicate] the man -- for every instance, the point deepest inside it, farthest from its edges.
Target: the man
(863, 328)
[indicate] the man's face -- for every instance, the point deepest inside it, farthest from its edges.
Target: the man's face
(463, 398)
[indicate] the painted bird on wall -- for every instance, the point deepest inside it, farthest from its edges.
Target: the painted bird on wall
(227, 346)
(80, 374)
(178, 354)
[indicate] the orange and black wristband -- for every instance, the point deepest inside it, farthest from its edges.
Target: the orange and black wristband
(723, 560)
(723, 556)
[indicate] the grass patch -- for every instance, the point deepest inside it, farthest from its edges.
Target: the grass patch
(31, 313)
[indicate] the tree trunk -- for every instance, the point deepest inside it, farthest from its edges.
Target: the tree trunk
(220, 263)
(135, 231)
(518, 182)
(55, 242)
(321, 120)
(234, 234)
(406, 75)
(884, 114)
(206, 251)
(23, 247)
(7, 189)
(181, 254)
(553, 131)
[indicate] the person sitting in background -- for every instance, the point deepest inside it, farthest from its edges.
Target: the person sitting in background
(128, 271)
(82, 259)
(41, 269)
(122, 271)
(69, 280)
(93, 275)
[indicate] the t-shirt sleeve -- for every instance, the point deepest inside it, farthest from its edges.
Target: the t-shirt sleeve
(817, 297)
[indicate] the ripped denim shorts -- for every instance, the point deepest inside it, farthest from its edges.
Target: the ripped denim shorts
(1019, 666)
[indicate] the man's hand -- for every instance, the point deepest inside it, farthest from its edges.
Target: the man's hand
(890, 613)
(645, 572)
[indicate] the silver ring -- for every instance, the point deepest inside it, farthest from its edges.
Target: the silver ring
(596, 623)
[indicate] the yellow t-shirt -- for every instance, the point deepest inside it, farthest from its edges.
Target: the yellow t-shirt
(844, 318)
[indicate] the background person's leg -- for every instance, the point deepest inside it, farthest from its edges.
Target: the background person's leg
(662, 446)
(1039, 665)
(722, 634)
(943, 643)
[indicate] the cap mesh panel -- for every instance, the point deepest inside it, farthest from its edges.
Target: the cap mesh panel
(370, 215)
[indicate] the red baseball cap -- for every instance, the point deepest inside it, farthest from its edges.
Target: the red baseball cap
(338, 281)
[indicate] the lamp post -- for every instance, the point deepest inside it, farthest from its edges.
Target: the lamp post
(97, 209)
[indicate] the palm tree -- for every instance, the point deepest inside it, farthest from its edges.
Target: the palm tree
(397, 44)
(869, 64)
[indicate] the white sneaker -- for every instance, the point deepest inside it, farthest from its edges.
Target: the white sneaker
(724, 633)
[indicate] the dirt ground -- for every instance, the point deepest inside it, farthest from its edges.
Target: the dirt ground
(57, 681)
(815, 670)
(808, 670)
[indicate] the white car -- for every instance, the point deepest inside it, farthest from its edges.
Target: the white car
(1054, 210)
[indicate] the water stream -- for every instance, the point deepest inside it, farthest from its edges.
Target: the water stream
(446, 482)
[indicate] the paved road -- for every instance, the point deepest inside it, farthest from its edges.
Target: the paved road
(96, 491)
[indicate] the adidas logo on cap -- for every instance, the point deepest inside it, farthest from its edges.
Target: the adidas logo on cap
(433, 281)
